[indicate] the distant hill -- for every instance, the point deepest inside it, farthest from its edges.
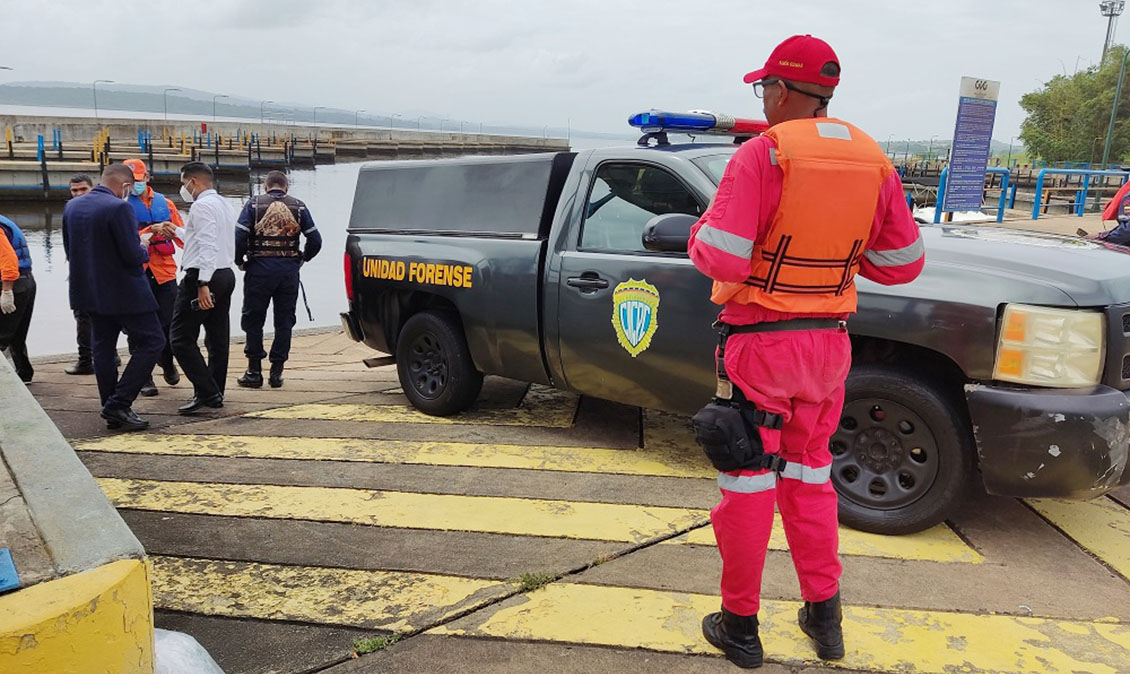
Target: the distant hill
(138, 98)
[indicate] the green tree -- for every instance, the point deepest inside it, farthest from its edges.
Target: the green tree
(1067, 118)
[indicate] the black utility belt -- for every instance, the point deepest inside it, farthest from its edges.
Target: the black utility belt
(787, 325)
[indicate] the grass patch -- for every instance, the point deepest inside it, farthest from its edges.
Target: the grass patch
(374, 644)
(532, 581)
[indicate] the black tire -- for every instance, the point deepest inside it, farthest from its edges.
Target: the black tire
(902, 454)
(434, 364)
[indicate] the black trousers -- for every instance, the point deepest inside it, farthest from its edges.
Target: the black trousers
(207, 377)
(259, 290)
(82, 336)
(145, 332)
(14, 326)
(166, 295)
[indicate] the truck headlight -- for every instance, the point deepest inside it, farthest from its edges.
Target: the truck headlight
(1050, 347)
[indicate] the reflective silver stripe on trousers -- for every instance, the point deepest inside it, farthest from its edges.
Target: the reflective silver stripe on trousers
(747, 484)
(725, 241)
(898, 256)
(797, 471)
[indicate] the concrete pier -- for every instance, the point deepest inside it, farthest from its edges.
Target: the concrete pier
(231, 148)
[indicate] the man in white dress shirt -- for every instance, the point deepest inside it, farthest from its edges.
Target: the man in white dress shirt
(204, 295)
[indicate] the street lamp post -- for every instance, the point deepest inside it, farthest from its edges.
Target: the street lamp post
(165, 96)
(418, 121)
(94, 88)
(888, 148)
(214, 104)
(261, 106)
(355, 116)
(1008, 159)
(316, 109)
(1114, 109)
(392, 117)
(931, 150)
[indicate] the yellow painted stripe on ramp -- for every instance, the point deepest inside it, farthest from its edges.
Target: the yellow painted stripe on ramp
(880, 640)
(1102, 526)
(524, 517)
(939, 544)
(541, 407)
(569, 459)
(387, 600)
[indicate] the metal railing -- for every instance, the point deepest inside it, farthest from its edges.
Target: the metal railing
(943, 182)
(1080, 204)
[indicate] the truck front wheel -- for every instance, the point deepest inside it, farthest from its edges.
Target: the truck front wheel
(902, 456)
(434, 364)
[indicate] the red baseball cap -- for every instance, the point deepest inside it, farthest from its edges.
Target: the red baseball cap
(800, 59)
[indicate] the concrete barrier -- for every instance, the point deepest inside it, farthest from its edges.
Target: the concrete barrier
(84, 603)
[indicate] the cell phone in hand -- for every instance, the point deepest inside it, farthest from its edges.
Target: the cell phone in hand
(194, 303)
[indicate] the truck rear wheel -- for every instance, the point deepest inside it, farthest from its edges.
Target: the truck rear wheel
(434, 364)
(902, 456)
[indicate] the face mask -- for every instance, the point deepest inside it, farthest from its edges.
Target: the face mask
(138, 189)
(186, 195)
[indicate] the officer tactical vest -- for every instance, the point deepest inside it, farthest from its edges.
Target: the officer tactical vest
(276, 229)
(19, 243)
(807, 261)
(156, 211)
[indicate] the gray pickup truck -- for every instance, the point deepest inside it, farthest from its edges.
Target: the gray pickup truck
(1008, 358)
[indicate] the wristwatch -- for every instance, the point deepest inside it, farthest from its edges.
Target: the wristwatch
(203, 284)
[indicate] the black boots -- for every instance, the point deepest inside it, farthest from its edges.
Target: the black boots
(149, 390)
(253, 378)
(736, 636)
(821, 622)
(276, 374)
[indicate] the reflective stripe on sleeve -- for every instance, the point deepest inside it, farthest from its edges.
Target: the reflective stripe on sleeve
(735, 245)
(773, 156)
(243, 227)
(797, 471)
(898, 256)
(747, 484)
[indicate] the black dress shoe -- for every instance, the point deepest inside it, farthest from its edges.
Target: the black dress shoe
(81, 367)
(172, 377)
(123, 418)
(149, 390)
(196, 404)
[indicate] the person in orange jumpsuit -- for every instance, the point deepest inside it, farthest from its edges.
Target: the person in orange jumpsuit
(157, 220)
(798, 213)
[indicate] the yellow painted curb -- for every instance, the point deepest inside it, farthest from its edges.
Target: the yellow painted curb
(95, 621)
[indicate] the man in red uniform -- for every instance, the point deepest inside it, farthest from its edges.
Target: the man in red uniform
(799, 211)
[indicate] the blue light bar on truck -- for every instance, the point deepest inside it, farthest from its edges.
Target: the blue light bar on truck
(657, 121)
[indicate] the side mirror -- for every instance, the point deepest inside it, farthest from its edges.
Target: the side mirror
(668, 233)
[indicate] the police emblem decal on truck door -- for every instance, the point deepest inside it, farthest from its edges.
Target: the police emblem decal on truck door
(635, 315)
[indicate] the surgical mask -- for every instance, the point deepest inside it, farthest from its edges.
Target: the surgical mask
(186, 195)
(138, 189)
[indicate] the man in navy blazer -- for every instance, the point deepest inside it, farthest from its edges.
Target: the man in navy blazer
(108, 282)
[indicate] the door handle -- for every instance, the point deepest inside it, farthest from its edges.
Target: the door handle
(587, 282)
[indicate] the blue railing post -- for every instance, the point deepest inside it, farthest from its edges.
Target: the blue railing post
(1006, 175)
(39, 148)
(1039, 193)
(943, 179)
(1083, 201)
(1012, 196)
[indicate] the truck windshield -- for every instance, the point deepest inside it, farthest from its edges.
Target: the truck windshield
(713, 165)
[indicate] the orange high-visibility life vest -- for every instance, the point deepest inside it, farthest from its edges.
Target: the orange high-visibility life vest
(807, 261)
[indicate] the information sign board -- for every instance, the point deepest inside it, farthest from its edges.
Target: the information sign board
(972, 135)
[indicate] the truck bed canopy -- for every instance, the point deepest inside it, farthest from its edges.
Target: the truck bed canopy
(501, 196)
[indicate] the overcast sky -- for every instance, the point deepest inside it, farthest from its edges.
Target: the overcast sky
(593, 62)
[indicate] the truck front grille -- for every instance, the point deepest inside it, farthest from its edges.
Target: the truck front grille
(1118, 347)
